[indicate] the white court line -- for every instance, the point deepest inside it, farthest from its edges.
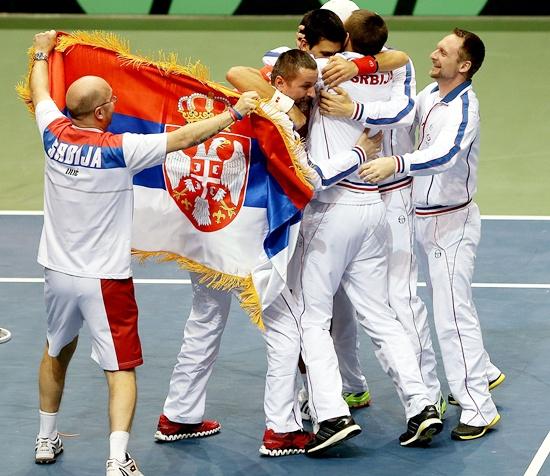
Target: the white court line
(136, 281)
(188, 281)
(539, 458)
(483, 217)
(21, 212)
(516, 217)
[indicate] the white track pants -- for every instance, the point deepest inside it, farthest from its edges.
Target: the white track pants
(402, 285)
(347, 244)
(202, 337)
(282, 338)
(450, 242)
(346, 344)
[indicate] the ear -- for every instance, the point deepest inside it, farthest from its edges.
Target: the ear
(465, 67)
(302, 44)
(98, 113)
(279, 83)
(346, 42)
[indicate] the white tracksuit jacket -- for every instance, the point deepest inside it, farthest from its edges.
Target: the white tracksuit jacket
(448, 142)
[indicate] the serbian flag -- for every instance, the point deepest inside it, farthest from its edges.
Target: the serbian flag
(229, 208)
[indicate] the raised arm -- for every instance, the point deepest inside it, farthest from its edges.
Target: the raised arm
(197, 132)
(339, 69)
(244, 78)
(397, 111)
(43, 44)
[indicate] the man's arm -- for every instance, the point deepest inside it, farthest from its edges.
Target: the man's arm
(43, 44)
(328, 172)
(244, 78)
(398, 111)
(197, 132)
(339, 69)
(453, 140)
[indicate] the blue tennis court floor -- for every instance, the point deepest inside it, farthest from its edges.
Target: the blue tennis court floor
(512, 295)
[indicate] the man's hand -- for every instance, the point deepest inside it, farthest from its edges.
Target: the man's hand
(297, 117)
(378, 169)
(45, 41)
(39, 80)
(247, 103)
(371, 145)
(339, 104)
(338, 70)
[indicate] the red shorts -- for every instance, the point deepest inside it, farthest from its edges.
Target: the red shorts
(109, 308)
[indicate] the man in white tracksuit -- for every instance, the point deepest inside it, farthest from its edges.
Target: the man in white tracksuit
(396, 192)
(344, 233)
(448, 221)
(185, 403)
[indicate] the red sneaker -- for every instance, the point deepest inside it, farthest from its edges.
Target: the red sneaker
(283, 444)
(171, 431)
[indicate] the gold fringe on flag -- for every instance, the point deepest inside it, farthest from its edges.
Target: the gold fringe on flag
(168, 64)
(248, 296)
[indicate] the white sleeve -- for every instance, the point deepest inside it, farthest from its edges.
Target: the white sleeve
(399, 110)
(270, 57)
(45, 113)
(328, 172)
(453, 140)
(143, 150)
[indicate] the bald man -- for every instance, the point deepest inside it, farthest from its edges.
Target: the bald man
(85, 244)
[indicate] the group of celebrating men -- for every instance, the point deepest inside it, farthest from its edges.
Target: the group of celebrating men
(388, 166)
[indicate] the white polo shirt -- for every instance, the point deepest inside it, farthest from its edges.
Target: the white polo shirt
(88, 195)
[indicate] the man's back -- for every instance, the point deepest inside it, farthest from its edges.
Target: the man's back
(88, 199)
(390, 97)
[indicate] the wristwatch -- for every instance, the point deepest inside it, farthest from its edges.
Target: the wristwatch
(40, 56)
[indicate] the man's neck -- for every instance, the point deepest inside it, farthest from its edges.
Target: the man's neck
(87, 124)
(446, 86)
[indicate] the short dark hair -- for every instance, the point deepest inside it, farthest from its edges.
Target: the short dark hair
(472, 50)
(289, 63)
(368, 32)
(322, 23)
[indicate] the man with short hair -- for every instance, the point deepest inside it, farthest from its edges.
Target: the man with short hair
(293, 79)
(85, 243)
(345, 244)
(448, 221)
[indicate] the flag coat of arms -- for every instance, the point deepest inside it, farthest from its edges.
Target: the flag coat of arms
(228, 208)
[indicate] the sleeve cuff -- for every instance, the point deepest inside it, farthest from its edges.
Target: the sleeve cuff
(360, 153)
(403, 164)
(281, 101)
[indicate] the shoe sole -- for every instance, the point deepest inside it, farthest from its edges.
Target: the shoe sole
(426, 431)
(159, 436)
(48, 460)
(359, 405)
(335, 439)
(280, 452)
(494, 421)
(494, 384)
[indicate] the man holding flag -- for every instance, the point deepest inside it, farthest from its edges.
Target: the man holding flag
(85, 244)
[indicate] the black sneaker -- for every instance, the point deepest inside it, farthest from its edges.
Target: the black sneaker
(422, 427)
(492, 385)
(332, 432)
(468, 432)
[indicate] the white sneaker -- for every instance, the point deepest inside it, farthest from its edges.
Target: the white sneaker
(47, 450)
(129, 468)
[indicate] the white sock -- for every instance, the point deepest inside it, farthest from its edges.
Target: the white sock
(48, 425)
(118, 444)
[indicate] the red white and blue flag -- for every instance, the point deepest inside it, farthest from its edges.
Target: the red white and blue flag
(229, 208)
